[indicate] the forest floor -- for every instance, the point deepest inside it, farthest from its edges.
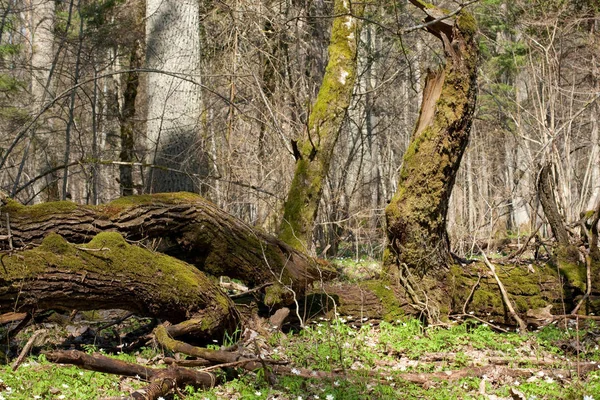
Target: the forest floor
(363, 360)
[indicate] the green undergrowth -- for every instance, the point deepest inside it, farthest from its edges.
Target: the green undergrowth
(367, 362)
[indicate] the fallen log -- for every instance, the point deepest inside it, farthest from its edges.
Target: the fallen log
(471, 288)
(109, 273)
(183, 225)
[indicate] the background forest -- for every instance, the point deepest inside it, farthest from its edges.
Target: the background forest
(216, 94)
(348, 117)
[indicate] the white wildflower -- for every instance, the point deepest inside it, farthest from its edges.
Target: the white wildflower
(64, 385)
(295, 371)
(336, 383)
(588, 397)
(257, 393)
(329, 397)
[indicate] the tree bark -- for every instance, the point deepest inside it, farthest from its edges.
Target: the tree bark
(418, 246)
(550, 207)
(183, 225)
(127, 115)
(174, 103)
(109, 273)
(313, 154)
(472, 289)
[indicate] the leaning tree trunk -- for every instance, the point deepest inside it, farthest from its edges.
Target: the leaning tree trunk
(567, 255)
(108, 273)
(183, 225)
(313, 154)
(418, 248)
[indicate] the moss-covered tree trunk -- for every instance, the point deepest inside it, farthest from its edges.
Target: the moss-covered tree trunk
(183, 225)
(108, 273)
(313, 153)
(418, 249)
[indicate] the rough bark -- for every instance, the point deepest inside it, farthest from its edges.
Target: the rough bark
(179, 376)
(313, 154)
(471, 289)
(174, 103)
(550, 207)
(567, 255)
(127, 117)
(109, 273)
(418, 246)
(183, 225)
(45, 144)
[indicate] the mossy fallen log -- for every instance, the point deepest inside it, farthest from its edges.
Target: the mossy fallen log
(470, 288)
(183, 225)
(109, 273)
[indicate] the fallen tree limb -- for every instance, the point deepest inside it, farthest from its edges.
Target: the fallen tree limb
(162, 380)
(183, 225)
(57, 275)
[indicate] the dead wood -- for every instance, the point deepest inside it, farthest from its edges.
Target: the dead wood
(162, 381)
(12, 317)
(183, 225)
(59, 275)
(505, 298)
(27, 348)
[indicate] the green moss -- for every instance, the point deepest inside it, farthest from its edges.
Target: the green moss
(527, 290)
(110, 254)
(570, 266)
(275, 295)
(392, 309)
(118, 205)
(467, 23)
(38, 211)
(56, 244)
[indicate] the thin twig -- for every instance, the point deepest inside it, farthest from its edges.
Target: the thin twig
(464, 309)
(483, 321)
(27, 348)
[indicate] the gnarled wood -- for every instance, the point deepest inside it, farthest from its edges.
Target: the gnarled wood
(162, 381)
(109, 273)
(418, 248)
(183, 225)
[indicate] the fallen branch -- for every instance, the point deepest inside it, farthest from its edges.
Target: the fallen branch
(507, 302)
(161, 380)
(27, 348)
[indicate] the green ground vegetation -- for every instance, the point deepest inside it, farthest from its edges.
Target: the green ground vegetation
(369, 361)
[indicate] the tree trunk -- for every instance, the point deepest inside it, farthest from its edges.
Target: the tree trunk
(174, 103)
(416, 217)
(183, 225)
(550, 207)
(313, 154)
(127, 116)
(109, 273)
(45, 143)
